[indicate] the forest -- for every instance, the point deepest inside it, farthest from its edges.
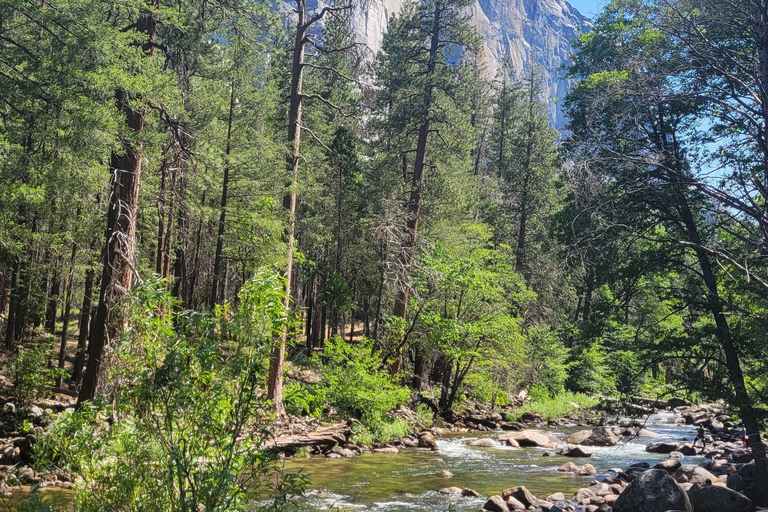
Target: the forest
(219, 217)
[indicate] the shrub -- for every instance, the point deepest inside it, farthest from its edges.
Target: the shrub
(303, 399)
(355, 382)
(33, 375)
(185, 432)
(357, 386)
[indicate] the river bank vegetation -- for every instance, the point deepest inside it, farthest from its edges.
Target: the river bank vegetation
(217, 216)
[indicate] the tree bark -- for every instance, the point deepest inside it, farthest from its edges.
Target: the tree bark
(13, 305)
(275, 379)
(118, 270)
(414, 201)
(84, 326)
(216, 292)
(69, 285)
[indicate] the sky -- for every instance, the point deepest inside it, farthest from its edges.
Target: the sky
(588, 8)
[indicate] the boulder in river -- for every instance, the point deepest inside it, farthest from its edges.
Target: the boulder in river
(427, 440)
(690, 473)
(711, 498)
(669, 465)
(528, 438)
(653, 491)
(520, 494)
(572, 450)
(450, 490)
(496, 504)
(600, 436)
(385, 449)
(484, 442)
(662, 447)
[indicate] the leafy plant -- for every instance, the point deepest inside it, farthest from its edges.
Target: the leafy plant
(33, 374)
(186, 429)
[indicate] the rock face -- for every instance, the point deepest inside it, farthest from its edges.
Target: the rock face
(531, 33)
(710, 498)
(653, 491)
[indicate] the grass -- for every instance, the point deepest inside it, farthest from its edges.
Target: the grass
(560, 406)
(383, 431)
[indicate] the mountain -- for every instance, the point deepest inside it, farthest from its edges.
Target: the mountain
(525, 31)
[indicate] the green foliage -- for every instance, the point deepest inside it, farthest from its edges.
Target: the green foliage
(303, 399)
(558, 406)
(33, 374)
(185, 430)
(357, 386)
(589, 372)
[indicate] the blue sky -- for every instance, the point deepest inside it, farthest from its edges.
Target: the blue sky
(588, 8)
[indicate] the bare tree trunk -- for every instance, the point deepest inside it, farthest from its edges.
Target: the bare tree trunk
(216, 292)
(84, 325)
(67, 310)
(275, 380)
(161, 218)
(118, 271)
(13, 305)
(52, 307)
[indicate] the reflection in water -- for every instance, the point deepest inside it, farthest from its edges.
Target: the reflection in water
(409, 480)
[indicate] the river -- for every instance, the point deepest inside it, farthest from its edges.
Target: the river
(409, 480)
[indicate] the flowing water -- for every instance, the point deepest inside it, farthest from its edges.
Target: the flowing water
(410, 480)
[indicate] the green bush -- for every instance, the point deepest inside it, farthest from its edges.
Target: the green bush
(186, 425)
(357, 386)
(33, 374)
(303, 399)
(589, 372)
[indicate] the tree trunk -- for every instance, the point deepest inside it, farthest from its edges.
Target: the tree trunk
(52, 307)
(743, 401)
(84, 325)
(118, 271)
(414, 201)
(275, 379)
(216, 292)
(13, 305)
(67, 310)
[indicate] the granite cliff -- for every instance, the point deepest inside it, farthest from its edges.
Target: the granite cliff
(528, 32)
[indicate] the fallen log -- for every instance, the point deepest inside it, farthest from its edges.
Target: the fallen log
(326, 437)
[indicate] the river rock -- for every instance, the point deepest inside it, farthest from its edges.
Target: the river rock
(496, 504)
(568, 467)
(427, 440)
(584, 496)
(484, 442)
(451, 490)
(600, 436)
(572, 450)
(385, 449)
(662, 447)
(653, 491)
(687, 449)
(579, 437)
(512, 443)
(586, 470)
(669, 465)
(554, 498)
(515, 504)
(445, 474)
(470, 493)
(528, 438)
(693, 474)
(521, 494)
(710, 498)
